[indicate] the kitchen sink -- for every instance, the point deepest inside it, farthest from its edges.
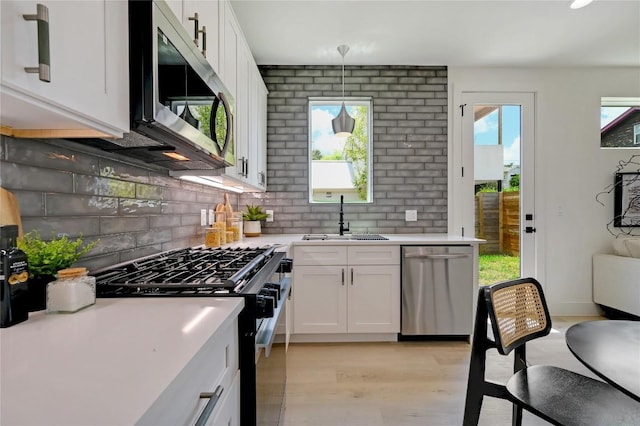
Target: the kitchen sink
(359, 237)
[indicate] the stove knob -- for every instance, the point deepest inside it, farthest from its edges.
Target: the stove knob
(274, 286)
(286, 265)
(269, 292)
(264, 306)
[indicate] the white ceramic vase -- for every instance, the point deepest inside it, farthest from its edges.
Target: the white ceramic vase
(252, 228)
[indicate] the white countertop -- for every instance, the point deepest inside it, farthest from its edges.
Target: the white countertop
(395, 239)
(106, 364)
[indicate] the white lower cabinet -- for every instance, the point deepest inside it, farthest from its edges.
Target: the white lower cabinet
(228, 411)
(214, 367)
(346, 289)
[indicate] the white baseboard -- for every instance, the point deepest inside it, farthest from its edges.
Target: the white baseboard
(574, 309)
(347, 337)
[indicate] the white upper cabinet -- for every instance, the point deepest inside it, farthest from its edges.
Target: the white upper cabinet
(88, 91)
(230, 38)
(201, 19)
(259, 127)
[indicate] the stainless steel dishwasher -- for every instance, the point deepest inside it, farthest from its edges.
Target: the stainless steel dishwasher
(437, 290)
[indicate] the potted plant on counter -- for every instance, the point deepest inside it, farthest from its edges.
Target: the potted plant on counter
(45, 259)
(252, 217)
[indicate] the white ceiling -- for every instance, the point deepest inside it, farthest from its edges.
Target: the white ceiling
(454, 32)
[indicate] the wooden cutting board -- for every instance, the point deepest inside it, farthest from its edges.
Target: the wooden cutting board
(9, 210)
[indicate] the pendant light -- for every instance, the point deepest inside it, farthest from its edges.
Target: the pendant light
(343, 124)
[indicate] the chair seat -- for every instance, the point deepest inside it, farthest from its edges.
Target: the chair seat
(563, 397)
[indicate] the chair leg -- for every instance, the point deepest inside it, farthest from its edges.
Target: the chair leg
(519, 363)
(516, 416)
(475, 385)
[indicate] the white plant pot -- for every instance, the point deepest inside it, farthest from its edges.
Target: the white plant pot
(252, 228)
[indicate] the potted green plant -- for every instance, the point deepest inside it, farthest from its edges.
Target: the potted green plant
(252, 217)
(45, 259)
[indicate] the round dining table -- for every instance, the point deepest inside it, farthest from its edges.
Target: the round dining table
(611, 349)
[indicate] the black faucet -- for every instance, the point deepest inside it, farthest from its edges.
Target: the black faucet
(341, 223)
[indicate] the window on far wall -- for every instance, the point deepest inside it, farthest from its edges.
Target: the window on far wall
(619, 122)
(340, 165)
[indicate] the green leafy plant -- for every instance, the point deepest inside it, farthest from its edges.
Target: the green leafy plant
(254, 213)
(48, 257)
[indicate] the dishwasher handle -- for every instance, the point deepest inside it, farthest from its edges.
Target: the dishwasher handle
(436, 256)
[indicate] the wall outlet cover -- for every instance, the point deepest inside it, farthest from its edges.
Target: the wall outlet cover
(270, 213)
(410, 215)
(211, 217)
(203, 217)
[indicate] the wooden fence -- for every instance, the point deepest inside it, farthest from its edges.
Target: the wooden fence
(498, 222)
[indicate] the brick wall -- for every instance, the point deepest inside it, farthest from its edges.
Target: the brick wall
(409, 148)
(65, 188)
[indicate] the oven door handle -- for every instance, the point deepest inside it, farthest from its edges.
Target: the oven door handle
(214, 397)
(268, 329)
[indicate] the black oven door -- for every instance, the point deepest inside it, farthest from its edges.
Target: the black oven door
(271, 364)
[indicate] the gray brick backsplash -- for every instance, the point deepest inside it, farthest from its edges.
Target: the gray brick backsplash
(73, 227)
(140, 206)
(115, 225)
(63, 187)
(50, 154)
(20, 176)
(153, 236)
(410, 112)
(85, 184)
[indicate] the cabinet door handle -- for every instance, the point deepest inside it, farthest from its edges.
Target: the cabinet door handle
(351, 276)
(342, 276)
(214, 397)
(44, 60)
(204, 40)
(246, 168)
(196, 28)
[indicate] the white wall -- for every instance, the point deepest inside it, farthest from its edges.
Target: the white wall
(570, 167)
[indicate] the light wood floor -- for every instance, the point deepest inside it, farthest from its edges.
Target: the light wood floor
(404, 383)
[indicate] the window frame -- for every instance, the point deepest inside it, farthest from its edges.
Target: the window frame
(349, 101)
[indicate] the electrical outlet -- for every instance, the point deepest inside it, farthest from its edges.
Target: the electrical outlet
(211, 217)
(203, 217)
(410, 215)
(270, 213)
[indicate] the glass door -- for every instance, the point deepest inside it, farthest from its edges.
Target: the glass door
(498, 153)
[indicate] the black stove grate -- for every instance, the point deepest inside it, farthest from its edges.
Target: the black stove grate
(184, 271)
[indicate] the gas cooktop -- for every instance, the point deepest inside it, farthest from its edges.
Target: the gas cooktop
(189, 270)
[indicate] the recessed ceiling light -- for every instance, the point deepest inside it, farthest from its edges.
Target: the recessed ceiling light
(577, 4)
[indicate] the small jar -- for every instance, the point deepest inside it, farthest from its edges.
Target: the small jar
(212, 237)
(230, 237)
(222, 227)
(72, 291)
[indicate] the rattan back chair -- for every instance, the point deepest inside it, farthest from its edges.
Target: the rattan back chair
(518, 313)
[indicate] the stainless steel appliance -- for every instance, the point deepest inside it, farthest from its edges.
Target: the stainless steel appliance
(260, 275)
(437, 291)
(181, 114)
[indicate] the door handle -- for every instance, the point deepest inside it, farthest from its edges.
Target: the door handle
(529, 230)
(342, 276)
(351, 276)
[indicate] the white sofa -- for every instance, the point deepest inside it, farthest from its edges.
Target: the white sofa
(616, 284)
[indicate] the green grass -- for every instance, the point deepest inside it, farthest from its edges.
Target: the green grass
(498, 267)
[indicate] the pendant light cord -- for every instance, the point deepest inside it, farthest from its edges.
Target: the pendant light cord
(343, 78)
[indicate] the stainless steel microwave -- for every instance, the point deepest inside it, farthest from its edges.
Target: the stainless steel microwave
(181, 115)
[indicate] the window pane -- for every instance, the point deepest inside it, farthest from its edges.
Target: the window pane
(619, 122)
(339, 165)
